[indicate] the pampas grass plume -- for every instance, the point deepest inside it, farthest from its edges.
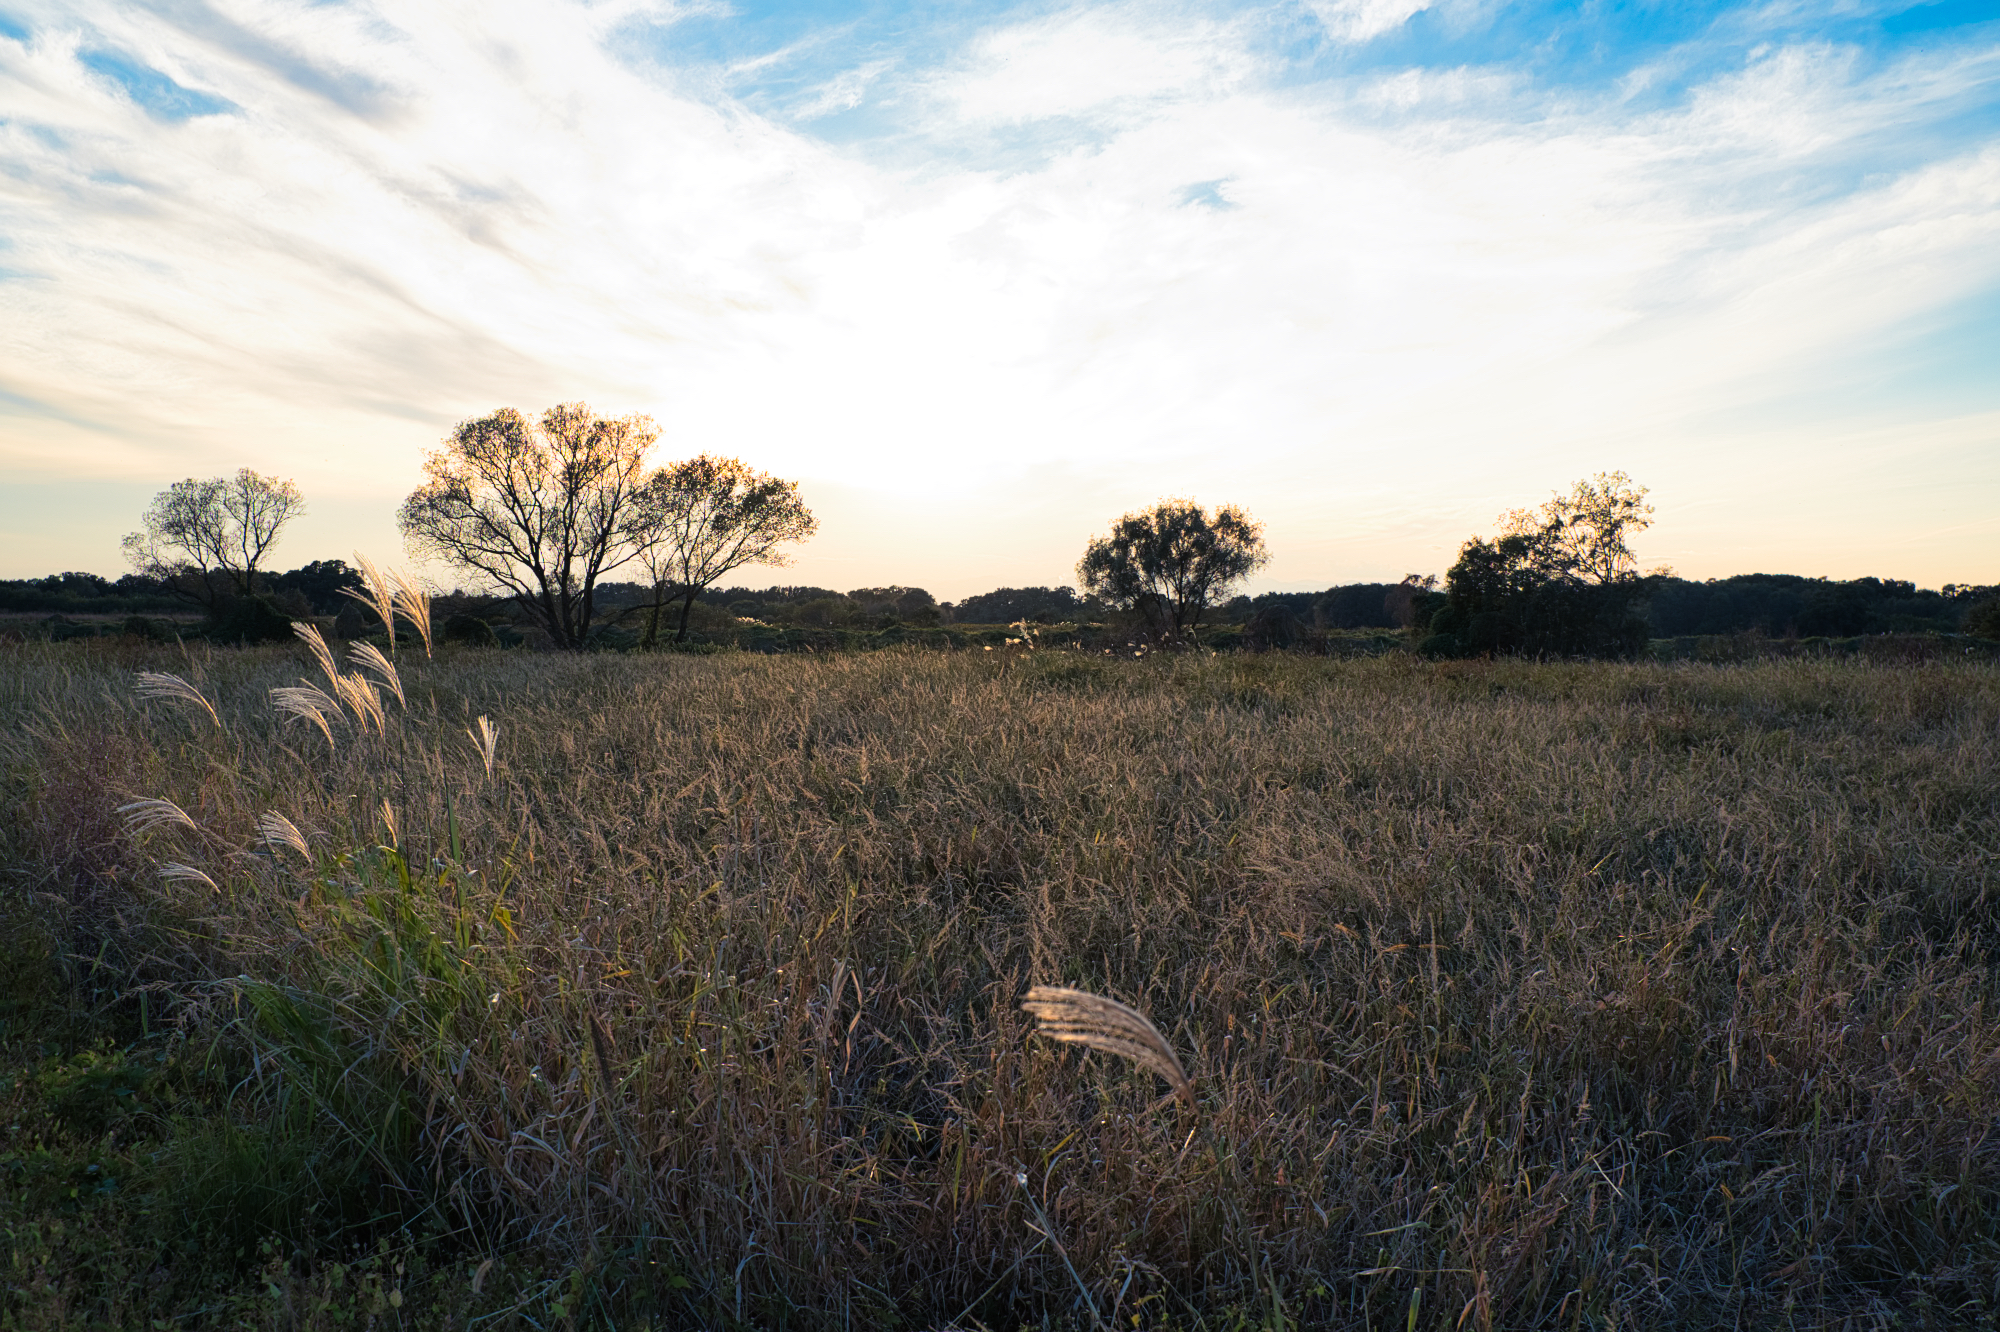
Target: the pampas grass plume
(370, 658)
(158, 684)
(1081, 1018)
(277, 830)
(145, 815)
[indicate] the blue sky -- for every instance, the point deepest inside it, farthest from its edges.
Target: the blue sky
(983, 277)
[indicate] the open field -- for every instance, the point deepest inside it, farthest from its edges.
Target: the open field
(1660, 995)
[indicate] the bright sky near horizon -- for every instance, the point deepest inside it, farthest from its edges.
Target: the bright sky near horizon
(983, 276)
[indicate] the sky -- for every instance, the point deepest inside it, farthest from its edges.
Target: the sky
(982, 277)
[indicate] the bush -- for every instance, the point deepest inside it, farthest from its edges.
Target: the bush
(1272, 627)
(469, 630)
(1983, 620)
(825, 613)
(258, 619)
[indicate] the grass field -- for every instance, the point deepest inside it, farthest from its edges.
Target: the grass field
(1516, 995)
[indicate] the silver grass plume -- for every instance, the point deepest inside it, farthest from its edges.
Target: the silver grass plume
(306, 703)
(158, 684)
(414, 604)
(371, 659)
(1081, 1018)
(174, 872)
(145, 815)
(310, 635)
(277, 830)
(488, 736)
(361, 700)
(379, 596)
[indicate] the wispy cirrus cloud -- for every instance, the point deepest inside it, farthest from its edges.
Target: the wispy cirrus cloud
(1359, 20)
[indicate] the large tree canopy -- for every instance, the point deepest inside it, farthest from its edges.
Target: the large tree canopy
(539, 509)
(219, 525)
(709, 515)
(1171, 562)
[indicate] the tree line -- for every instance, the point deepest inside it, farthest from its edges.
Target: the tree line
(541, 514)
(1560, 579)
(1777, 606)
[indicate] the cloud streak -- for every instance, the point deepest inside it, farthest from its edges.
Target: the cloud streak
(1359, 20)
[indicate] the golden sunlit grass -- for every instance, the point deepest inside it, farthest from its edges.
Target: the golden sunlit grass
(1501, 995)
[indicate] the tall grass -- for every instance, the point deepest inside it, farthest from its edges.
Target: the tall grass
(1511, 995)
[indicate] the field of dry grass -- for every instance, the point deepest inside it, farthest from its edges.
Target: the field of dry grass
(1514, 995)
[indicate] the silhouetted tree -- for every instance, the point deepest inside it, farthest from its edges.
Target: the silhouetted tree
(1559, 580)
(1169, 563)
(707, 516)
(540, 509)
(1402, 603)
(1786, 605)
(204, 537)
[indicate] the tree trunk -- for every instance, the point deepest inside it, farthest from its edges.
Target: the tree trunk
(653, 620)
(687, 608)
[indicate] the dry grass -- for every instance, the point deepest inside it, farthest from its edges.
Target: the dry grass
(1514, 995)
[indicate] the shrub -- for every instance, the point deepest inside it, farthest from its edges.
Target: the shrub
(254, 619)
(469, 630)
(1983, 619)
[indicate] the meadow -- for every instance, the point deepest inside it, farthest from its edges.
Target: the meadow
(1515, 995)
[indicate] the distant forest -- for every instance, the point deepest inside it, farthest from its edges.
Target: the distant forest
(1775, 605)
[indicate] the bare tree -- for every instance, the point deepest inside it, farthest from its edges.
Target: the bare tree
(709, 515)
(539, 509)
(207, 526)
(1171, 562)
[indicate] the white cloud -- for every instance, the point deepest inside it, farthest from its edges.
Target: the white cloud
(1360, 20)
(843, 92)
(1086, 60)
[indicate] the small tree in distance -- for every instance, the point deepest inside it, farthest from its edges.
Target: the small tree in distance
(707, 516)
(1171, 562)
(198, 528)
(541, 509)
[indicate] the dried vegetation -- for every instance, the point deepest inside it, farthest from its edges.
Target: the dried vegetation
(1508, 995)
